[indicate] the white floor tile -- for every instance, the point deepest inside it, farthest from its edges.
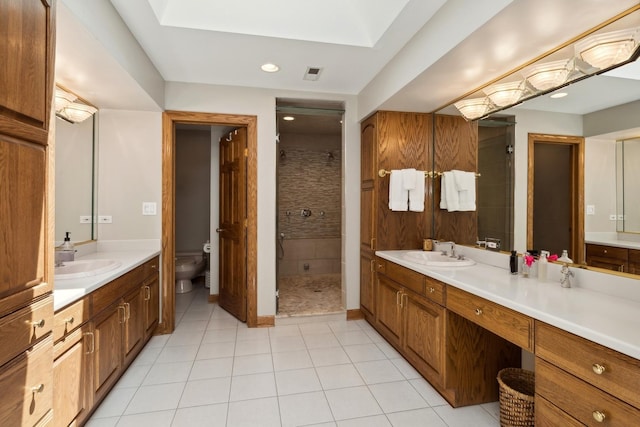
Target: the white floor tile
(405, 368)
(185, 338)
(252, 413)
(297, 381)
(328, 356)
(206, 392)
(115, 403)
(417, 417)
(254, 386)
(304, 409)
(251, 334)
(254, 364)
(321, 340)
(155, 398)
(364, 352)
(164, 373)
(398, 396)
(374, 335)
(207, 415)
(257, 346)
(290, 343)
(219, 335)
(352, 337)
(284, 331)
(467, 416)
(493, 408)
(339, 376)
(428, 393)
(378, 371)
(134, 376)
(315, 328)
(375, 421)
(211, 368)
(354, 402)
(183, 353)
(191, 325)
(158, 341)
(221, 323)
(216, 350)
(388, 350)
(292, 360)
(147, 356)
(155, 419)
(102, 422)
(343, 326)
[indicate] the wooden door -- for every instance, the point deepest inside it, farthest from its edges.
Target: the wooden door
(233, 223)
(133, 325)
(107, 359)
(388, 309)
(424, 334)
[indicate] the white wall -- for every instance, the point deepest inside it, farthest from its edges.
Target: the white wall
(129, 173)
(530, 121)
(600, 184)
(262, 102)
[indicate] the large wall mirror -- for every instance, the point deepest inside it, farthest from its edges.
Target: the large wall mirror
(605, 110)
(75, 183)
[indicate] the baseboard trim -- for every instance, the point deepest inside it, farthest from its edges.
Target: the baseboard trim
(266, 321)
(355, 314)
(213, 298)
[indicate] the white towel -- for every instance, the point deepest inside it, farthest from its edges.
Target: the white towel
(416, 194)
(398, 196)
(449, 198)
(409, 179)
(466, 190)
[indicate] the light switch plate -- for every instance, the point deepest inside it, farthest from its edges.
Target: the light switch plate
(612, 217)
(85, 219)
(105, 219)
(591, 210)
(149, 208)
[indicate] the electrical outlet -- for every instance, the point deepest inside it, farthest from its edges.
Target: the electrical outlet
(149, 208)
(612, 217)
(620, 217)
(85, 219)
(591, 210)
(105, 219)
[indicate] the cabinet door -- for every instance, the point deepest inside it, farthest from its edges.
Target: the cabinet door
(107, 360)
(72, 378)
(388, 309)
(134, 324)
(151, 292)
(424, 334)
(367, 290)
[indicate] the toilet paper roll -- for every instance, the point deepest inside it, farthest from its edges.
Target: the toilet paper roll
(207, 248)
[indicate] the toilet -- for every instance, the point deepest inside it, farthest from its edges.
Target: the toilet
(188, 266)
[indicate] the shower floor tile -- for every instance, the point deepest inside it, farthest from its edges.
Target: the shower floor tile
(308, 295)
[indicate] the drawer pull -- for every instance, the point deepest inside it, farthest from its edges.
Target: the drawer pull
(432, 289)
(599, 416)
(38, 389)
(38, 324)
(93, 342)
(478, 311)
(124, 313)
(598, 368)
(70, 320)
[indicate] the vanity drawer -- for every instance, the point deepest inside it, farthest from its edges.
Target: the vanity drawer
(549, 415)
(435, 290)
(71, 317)
(27, 386)
(151, 267)
(406, 277)
(607, 252)
(24, 327)
(619, 374)
(582, 401)
(506, 323)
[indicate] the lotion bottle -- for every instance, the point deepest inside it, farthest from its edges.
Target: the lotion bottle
(543, 263)
(67, 245)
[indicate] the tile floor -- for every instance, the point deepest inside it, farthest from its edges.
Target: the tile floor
(310, 294)
(214, 371)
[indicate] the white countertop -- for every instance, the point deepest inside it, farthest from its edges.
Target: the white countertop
(608, 320)
(628, 244)
(67, 291)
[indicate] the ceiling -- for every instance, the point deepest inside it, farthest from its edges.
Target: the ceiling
(429, 52)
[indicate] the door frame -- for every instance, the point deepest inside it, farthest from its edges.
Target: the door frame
(577, 188)
(169, 121)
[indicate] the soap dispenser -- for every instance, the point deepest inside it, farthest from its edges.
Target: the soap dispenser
(543, 263)
(67, 245)
(565, 257)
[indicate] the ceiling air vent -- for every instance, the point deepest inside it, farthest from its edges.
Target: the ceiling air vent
(312, 73)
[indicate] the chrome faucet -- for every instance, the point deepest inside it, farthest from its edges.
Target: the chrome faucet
(565, 276)
(453, 248)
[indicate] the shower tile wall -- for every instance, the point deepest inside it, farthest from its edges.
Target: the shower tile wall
(309, 177)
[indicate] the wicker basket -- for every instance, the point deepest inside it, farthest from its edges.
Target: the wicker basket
(517, 387)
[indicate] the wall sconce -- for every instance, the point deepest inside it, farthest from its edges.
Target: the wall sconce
(71, 108)
(598, 51)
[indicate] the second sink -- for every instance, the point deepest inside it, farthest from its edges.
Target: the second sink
(84, 268)
(436, 259)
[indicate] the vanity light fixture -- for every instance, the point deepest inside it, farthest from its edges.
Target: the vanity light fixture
(270, 68)
(504, 94)
(63, 99)
(474, 108)
(548, 75)
(71, 108)
(608, 49)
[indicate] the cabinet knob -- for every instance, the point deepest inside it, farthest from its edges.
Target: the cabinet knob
(478, 311)
(38, 389)
(70, 320)
(38, 324)
(599, 416)
(598, 368)
(432, 289)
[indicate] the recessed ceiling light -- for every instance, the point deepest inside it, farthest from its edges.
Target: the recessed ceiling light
(559, 95)
(288, 118)
(270, 68)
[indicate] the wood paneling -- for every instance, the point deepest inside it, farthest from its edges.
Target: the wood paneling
(355, 314)
(455, 146)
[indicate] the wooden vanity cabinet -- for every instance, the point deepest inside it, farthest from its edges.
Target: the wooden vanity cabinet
(608, 257)
(584, 381)
(634, 261)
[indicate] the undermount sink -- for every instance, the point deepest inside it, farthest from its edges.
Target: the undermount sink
(84, 268)
(437, 259)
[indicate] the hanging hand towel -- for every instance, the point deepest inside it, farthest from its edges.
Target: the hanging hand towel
(448, 193)
(409, 179)
(416, 195)
(466, 190)
(398, 196)
(464, 180)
